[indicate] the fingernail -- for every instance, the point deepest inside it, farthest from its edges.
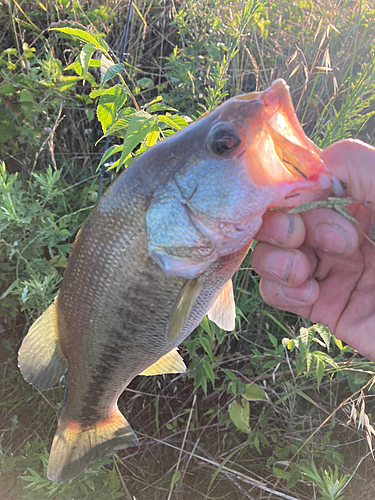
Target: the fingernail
(302, 293)
(332, 238)
(279, 263)
(282, 228)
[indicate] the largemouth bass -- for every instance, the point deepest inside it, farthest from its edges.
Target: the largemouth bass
(156, 254)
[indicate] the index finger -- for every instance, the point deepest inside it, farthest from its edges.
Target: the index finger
(282, 229)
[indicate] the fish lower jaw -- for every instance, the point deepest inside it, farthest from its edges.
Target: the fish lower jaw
(180, 266)
(312, 190)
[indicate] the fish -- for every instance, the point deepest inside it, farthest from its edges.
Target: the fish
(157, 254)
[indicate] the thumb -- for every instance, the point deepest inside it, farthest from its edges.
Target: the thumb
(352, 162)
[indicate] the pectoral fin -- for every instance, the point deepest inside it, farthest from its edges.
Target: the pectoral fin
(183, 306)
(40, 359)
(223, 310)
(169, 363)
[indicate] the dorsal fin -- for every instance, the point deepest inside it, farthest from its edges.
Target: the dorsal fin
(169, 363)
(182, 308)
(223, 310)
(40, 358)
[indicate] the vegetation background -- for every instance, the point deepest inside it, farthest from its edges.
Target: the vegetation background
(276, 409)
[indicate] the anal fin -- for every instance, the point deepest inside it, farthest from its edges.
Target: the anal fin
(76, 445)
(223, 310)
(169, 363)
(40, 359)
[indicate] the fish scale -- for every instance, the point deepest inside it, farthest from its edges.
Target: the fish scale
(156, 255)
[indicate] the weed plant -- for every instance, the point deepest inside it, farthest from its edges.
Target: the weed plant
(277, 409)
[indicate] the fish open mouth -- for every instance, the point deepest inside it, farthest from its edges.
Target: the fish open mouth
(277, 148)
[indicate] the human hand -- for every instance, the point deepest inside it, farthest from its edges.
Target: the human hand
(316, 264)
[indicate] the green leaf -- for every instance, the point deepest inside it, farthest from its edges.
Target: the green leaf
(109, 105)
(153, 136)
(309, 358)
(145, 83)
(110, 151)
(320, 368)
(26, 96)
(205, 343)
(293, 480)
(300, 363)
(281, 473)
(68, 82)
(306, 335)
(240, 415)
(176, 476)
(205, 324)
(176, 122)
(111, 72)
(84, 36)
(7, 89)
(98, 92)
(119, 127)
(326, 358)
(229, 374)
(209, 372)
(140, 125)
(324, 333)
(273, 339)
(85, 57)
(254, 393)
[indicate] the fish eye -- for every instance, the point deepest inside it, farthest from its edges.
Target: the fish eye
(223, 140)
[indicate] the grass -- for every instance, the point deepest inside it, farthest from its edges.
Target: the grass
(305, 432)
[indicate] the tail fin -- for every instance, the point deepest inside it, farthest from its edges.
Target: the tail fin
(40, 358)
(76, 445)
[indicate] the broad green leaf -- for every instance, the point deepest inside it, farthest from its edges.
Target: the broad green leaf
(145, 83)
(119, 127)
(26, 96)
(98, 92)
(109, 105)
(152, 136)
(84, 36)
(140, 125)
(306, 335)
(254, 393)
(176, 122)
(289, 343)
(85, 57)
(293, 480)
(110, 151)
(338, 343)
(240, 415)
(160, 107)
(105, 64)
(111, 72)
(326, 358)
(154, 101)
(76, 66)
(7, 88)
